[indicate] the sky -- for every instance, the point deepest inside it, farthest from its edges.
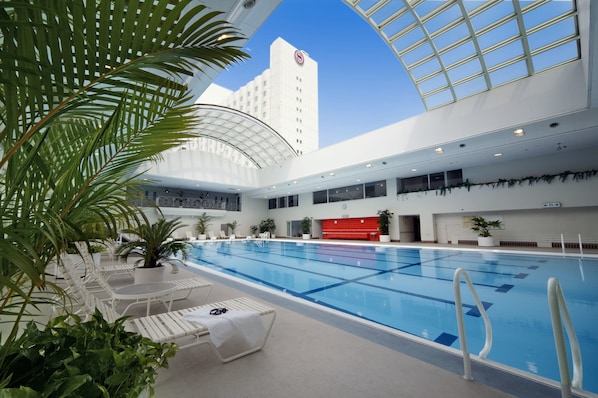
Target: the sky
(362, 84)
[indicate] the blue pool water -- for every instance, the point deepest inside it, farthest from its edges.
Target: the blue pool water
(411, 290)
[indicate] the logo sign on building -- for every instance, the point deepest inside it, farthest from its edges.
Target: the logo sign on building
(299, 57)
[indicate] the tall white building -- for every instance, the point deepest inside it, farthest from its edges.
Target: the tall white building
(285, 96)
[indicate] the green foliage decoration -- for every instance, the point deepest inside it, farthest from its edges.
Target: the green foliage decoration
(384, 217)
(306, 225)
(88, 359)
(530, 180)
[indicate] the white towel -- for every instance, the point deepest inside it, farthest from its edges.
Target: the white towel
(233, 323)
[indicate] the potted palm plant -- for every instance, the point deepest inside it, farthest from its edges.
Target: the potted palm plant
(306, 227)
(384, 217)
(154, 248)
(482, 226)
(253, 229)
(233, 226)
(202, 225)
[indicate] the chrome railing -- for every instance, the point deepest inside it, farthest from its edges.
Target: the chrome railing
(559, 314)
(461, 323)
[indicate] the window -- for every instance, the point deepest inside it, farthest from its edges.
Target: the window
(293, 200)
(272, 203)
(431, 181)
(454, 177)
(282, 202)
(345, 193)
(375, 189)
(436, 180)
(412, 184)
(320, 197)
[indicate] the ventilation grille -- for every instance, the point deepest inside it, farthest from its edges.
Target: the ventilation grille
(513, 243)
(569, 245)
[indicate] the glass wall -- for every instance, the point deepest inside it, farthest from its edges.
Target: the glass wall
(430, 181)
(352, 192)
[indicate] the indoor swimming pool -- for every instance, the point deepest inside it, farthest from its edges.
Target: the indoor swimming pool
(411, 290)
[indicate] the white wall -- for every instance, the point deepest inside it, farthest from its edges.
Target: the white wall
(521, 206)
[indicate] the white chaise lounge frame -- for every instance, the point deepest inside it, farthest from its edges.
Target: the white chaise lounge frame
(170, 327)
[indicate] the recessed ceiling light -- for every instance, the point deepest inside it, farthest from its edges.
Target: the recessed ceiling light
(295, 182)
(413, 169)
(331, 174)
(497, 154)
(518, 133)
(439, 150)
(369, 165)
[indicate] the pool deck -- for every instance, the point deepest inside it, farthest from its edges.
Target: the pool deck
(316, 353)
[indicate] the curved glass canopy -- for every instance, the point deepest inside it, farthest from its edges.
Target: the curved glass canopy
(457, 48)
(261, 145)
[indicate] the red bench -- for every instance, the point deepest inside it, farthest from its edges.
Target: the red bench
(361, 228)
(367, 235)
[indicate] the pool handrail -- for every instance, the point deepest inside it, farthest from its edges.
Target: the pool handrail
(558, 307)
(461, 323)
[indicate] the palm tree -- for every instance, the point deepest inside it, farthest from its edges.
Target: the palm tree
(89, 90)
(155, 245)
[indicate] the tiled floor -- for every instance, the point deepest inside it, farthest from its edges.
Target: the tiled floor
(315, 353)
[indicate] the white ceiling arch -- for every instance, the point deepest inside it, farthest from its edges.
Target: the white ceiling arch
(252, 138)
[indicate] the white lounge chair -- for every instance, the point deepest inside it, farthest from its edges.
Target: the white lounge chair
(171, 326)
(223, 235)
(107, 270)
(183, 285)
(212, 236)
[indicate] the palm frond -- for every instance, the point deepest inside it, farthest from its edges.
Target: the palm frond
(89, 90)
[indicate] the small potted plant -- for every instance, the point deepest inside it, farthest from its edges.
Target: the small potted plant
(253, 229)
(384, 217)
(154, 248)
(233, 226)
(202, 225)
(482, 226)
(96, 253)
(269, 226)
(306, 228)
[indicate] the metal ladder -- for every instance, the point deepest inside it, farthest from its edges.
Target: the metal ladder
(461, 323)
(558, 307)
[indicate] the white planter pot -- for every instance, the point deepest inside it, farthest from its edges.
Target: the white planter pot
(201, 237)
(306, 236)
(385, 238)
(485, 241)
(149, 275)
(97, 258)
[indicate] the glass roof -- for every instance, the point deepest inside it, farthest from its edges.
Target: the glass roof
(256, 141)
(457, 48)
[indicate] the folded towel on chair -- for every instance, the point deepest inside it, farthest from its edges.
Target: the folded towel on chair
(233, 323)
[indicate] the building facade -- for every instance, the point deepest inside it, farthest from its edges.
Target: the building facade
(284, 96)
